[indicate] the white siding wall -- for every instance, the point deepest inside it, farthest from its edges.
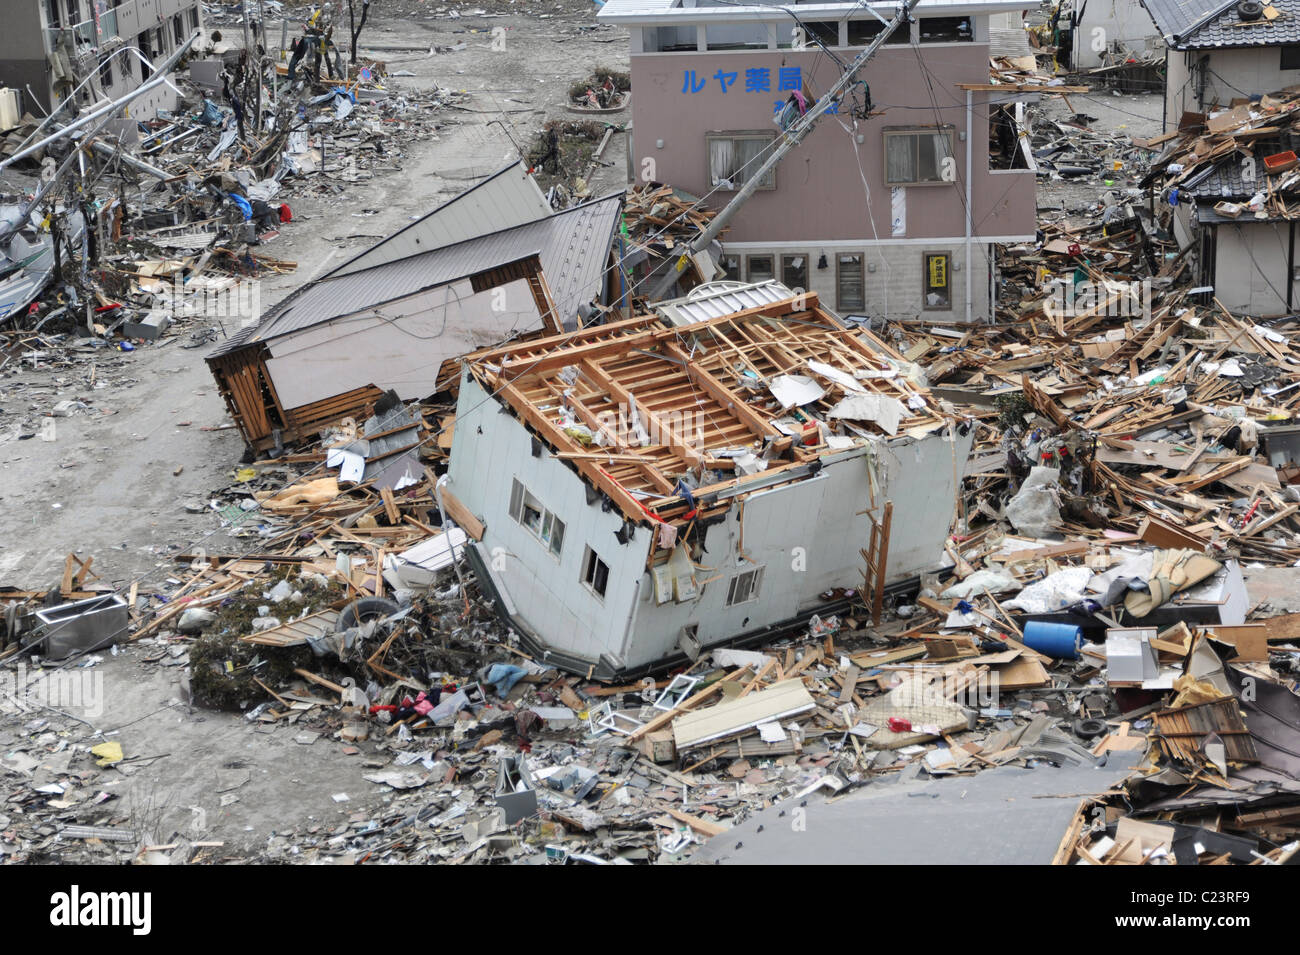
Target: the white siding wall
(1251, 268)
(548, 593)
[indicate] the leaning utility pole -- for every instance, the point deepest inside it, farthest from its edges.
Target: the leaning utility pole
(791, 138)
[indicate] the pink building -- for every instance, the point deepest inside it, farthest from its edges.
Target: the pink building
(891, 205)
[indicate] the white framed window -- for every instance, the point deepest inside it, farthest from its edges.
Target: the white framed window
(553, 533)
(734, 157)
(915, 155)
(595, 573)
(744, 587)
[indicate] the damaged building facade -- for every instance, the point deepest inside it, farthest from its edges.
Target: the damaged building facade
(891, 206)
(657, 486)
(48, 47)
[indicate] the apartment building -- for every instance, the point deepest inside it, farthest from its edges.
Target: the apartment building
(91, 49)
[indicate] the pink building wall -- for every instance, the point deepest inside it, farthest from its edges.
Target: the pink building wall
(819, 194)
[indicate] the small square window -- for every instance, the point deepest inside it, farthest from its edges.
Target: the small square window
(595, 573)
(731, 267)
(760, 269)
(744, 587)
(794, 272)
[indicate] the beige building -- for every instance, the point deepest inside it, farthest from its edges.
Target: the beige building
(101, 49)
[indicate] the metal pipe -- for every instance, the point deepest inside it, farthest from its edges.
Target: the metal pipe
(159, 77)
(970, 139)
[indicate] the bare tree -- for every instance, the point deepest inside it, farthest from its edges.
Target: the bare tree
(355, 28)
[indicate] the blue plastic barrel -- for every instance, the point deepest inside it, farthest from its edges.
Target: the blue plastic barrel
(1059, 640)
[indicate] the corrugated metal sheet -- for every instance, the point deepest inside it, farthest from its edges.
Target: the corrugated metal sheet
(721, 298)
(503, 200)
(572, 245)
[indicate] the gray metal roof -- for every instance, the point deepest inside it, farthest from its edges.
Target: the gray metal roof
(721, 298)
(573, 246)
(1208, 24)
(505, 199)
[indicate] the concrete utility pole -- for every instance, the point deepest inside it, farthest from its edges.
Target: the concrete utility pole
(791, 138)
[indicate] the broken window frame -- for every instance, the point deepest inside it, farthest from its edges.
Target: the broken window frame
(926, 285)
(847, 303)
(595, 573)
(675, 692)
(894, 134)
(753, 582)
(748, 165)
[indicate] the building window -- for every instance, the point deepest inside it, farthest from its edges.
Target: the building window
(106, 74)
(759, 268)
(936, 291)
(916, 155)
(849, 292)
(194, 18)
(736, 36)
(730, 267)
(669, 39)
(946, 30)
(734, 157)
(862, 32)
(744, 587)
(1291, 58)
(178, 27)
(553, 533)
(794, 272)
(527, 511)
(595, 573)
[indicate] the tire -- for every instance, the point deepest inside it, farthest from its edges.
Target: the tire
(1090, 729)
(1250, 10)
(363, 611)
